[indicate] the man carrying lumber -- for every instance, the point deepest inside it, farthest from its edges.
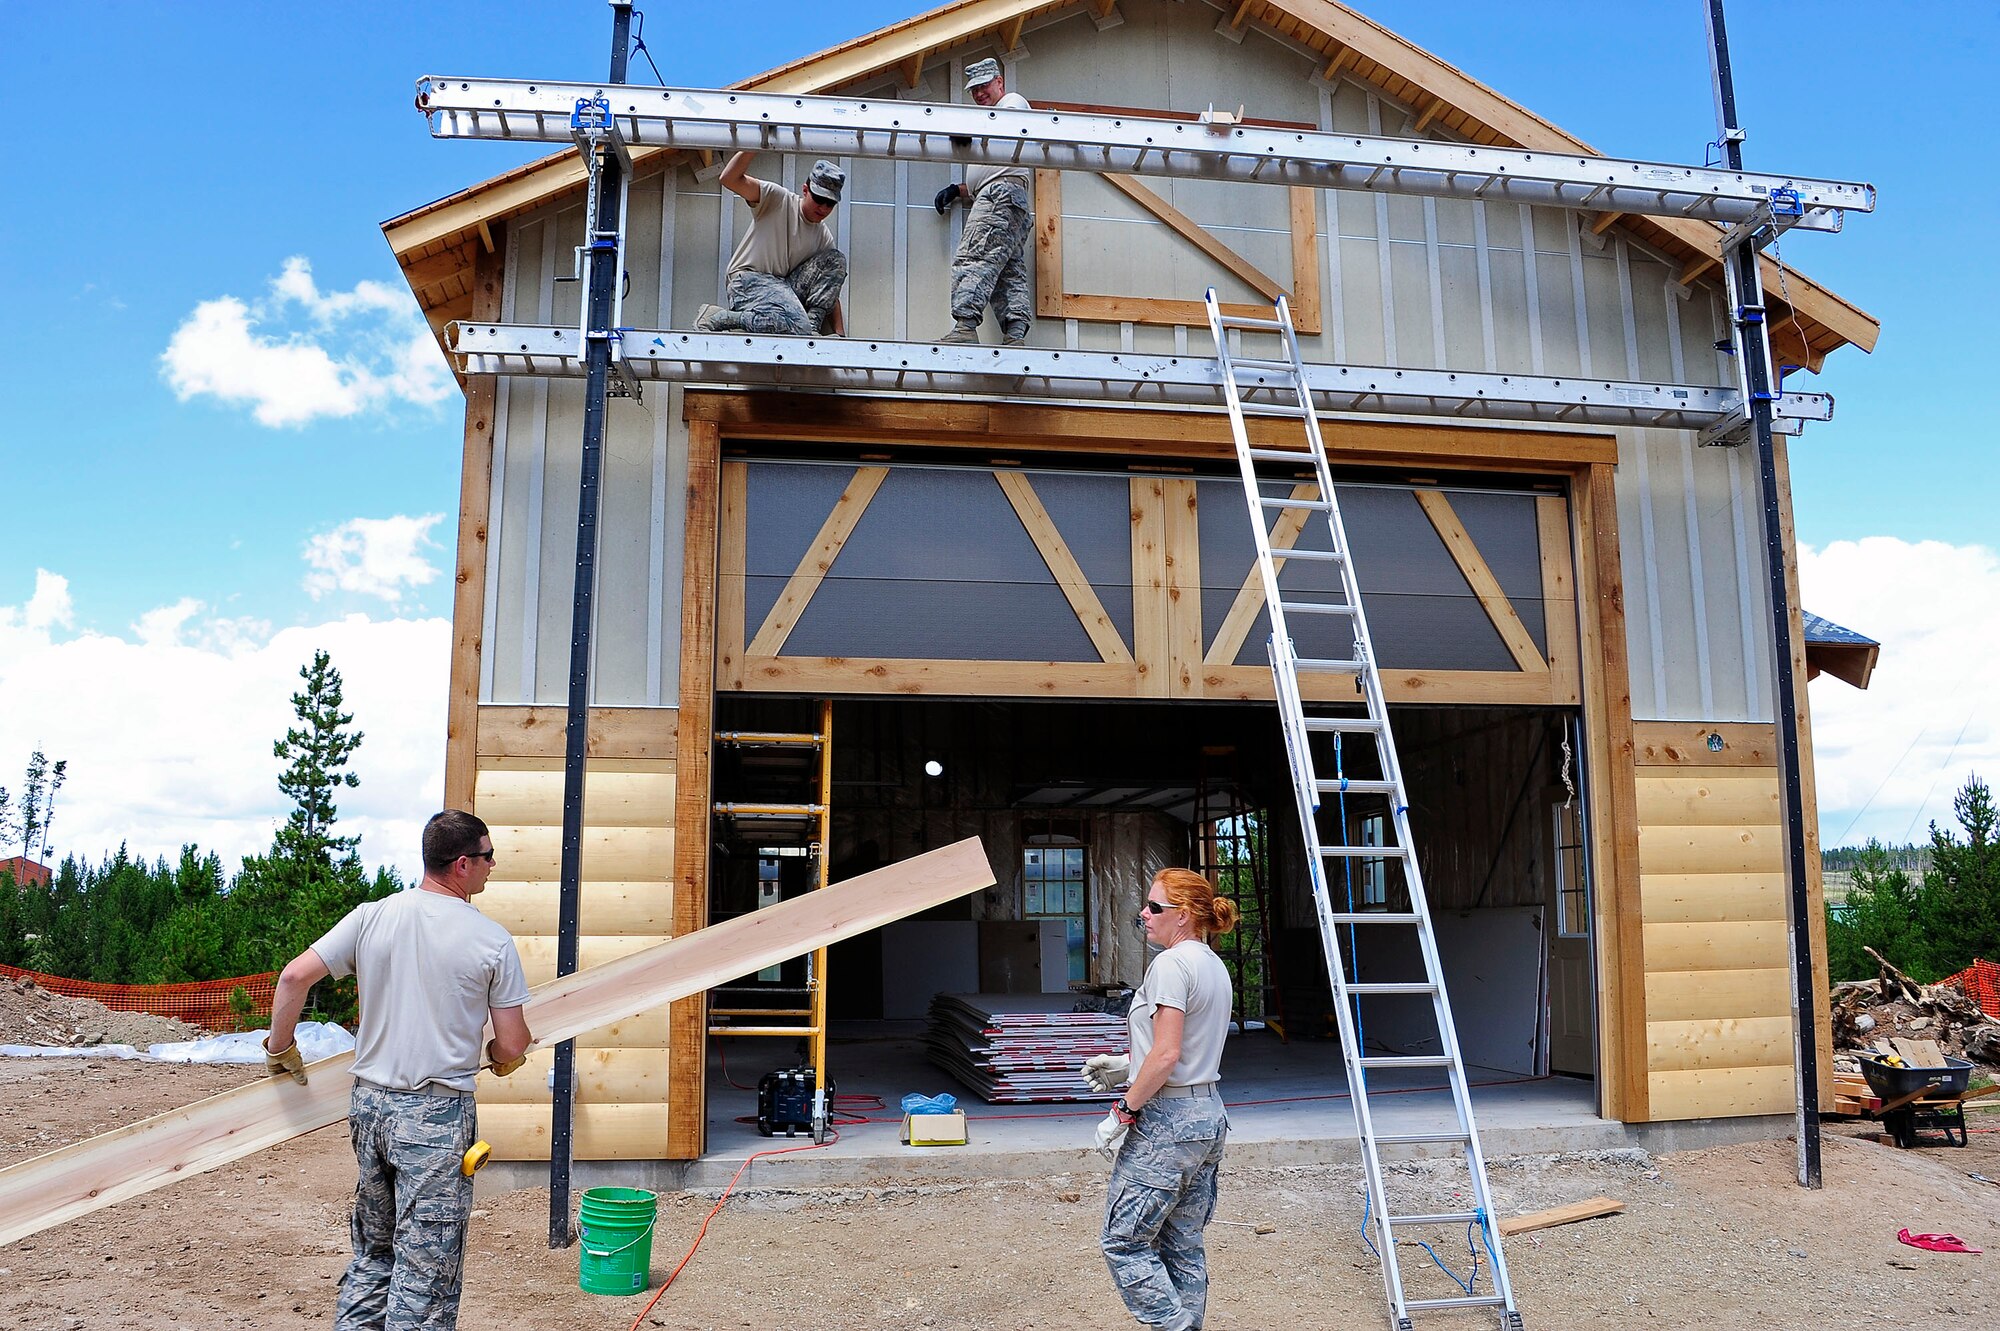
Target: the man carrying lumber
(786, 274)
(991, 266)
(432, 972)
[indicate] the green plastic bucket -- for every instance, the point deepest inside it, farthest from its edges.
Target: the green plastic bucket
(615, 1228)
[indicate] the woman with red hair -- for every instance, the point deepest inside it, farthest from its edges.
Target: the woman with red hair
(1169, 1128)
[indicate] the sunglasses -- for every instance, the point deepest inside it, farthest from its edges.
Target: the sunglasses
(486, 855)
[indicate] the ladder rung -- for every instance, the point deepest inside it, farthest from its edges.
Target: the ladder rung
(1346, 725)
(1358, 788)
(1327, 665)
(1394, 987)
(1312, 505)
(1364, 852)
(1373, 917)
(1462, 1301)
(1407, 1061)
(771, 810)
(1248, 321)
(1441, 1218)
(1420, 1138)
(1254, 363)
(768, 739)
(1314, 608)
(763, 1030)
(1282, 454)
(1323, 556)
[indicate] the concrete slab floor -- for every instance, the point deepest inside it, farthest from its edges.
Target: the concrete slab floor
(1287, 1106)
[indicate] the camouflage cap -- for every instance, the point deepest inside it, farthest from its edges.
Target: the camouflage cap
(826, 181)
(980, 73)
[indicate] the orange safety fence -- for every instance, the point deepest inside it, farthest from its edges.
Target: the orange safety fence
(1980, 982)
(204, 1002)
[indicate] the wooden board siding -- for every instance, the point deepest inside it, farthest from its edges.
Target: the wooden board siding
(1718, 1030)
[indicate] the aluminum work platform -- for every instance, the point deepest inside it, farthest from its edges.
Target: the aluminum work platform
(726, 121)
(1139, 378)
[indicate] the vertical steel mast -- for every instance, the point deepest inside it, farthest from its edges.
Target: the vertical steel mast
(1753, 365)
(603, 256)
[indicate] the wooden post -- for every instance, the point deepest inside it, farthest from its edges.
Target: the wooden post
(468, 604)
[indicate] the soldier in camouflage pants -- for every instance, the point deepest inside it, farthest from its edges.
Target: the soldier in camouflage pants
(410, 1210)
(991, 266)
(1161, 1195)
(798, 304)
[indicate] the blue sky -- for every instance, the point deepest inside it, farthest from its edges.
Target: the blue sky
(182, 154)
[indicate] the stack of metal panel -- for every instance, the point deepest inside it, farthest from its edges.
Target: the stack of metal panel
(1021, 1048)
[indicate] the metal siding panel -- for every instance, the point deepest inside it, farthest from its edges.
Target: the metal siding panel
(694, 261)
(556, 593)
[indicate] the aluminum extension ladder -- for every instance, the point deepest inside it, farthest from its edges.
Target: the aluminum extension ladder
(1269, 475)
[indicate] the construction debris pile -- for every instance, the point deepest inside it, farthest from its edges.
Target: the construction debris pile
(1870, 1014)
(31, 1015)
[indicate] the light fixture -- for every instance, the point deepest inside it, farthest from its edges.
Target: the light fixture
(933, 768)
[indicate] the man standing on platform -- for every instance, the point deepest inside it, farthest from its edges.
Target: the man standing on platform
(787, 272)
(432, 972)
(991, 266)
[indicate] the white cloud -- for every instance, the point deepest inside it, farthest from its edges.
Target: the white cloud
(372, 556)
(366, 348)
(49, 607)
(168, 733)
(1889, 760)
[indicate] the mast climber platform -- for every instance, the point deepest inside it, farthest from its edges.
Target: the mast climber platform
(610, 122)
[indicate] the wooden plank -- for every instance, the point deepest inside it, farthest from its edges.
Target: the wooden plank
(1150, 648)
(603, 908)
(1492, 598)
(1195, 234)
(133, 1160)
(1723, 1042)
(1158, 310)
(1469, 687)
(616, 854)
(1069, 575)
(1720, 1092)
(1706, 995)
(819, 557)
(731, 573)
(468, 602)
(941, 678)
(1732, 849)
(687, 1056)
(1715, 797)
(1688, 744)
(1305, 257)
(1559, 1215)
(537, 732)
(1608, 726)
(1236, 625)
(1048, 245)
(636, 1131)
(1559, 598)
(1691, 898)
(1716, 945)
(915, 423)
(1181, 547)
(538, 953)
(610, 799)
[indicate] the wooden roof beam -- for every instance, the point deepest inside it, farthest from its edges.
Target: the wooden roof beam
(1242, 12)
(1437, 104)
(1342, 58)
(1603, 222)
(913, 70)
(1696, 266)
(1010, 33)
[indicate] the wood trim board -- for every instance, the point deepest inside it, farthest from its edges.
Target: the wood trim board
(468, 604)
(116, 1166)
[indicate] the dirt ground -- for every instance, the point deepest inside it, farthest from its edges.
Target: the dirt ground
(1718, 1237)
(30, 1014)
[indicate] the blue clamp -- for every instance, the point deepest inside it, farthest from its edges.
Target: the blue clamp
(1785, 202)
(591, 113)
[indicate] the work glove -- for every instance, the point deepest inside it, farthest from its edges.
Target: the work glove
(287, 1062)
(1107, 1072)
(1111, 1135)
(946, 197)
(507, 1069)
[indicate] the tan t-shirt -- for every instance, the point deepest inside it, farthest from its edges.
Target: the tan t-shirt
(978, 178)
(429, 966)
(1188, 976)
(779, 238)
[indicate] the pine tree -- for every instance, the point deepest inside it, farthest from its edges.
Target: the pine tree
(1958, 908)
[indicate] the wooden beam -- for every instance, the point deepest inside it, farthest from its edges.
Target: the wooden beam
(1342, 58)
(1150, 648)
(1182, 547)
(1249, 600)
(1559, 1215)
(1471, 688)
(537, 732)
(913, 69)
(1157, 310)
(1436, 105)
(1193, 232)
(1048, 245)
(435, 268)
(1101, 9)
(849, 62)
(940, 678)
(1559, 597)
(1492, 597)
(1305, 257)
(1010, 34)
(1603, 222)
(486, 236)
(1242, 12)
(731, 573)
(1696, 266)
(468, 602)
(687, 1019)
(1696, 745)
(116, 1166)
(1069, 576)
(805, 580)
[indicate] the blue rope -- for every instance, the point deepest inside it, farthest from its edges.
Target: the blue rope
(1466, 1285)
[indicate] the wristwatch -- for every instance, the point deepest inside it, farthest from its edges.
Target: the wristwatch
(1126, 1113)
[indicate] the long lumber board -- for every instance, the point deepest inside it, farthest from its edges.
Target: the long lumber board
(116, 1166)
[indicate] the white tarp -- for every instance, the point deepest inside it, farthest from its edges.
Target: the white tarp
(317, 1040)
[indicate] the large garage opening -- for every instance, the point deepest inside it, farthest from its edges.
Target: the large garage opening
(1078, 804)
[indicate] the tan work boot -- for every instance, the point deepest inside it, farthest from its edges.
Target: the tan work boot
(704, 318)
(1017, 340)
(961, 334)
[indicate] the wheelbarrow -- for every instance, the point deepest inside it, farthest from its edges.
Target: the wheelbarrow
(1919, 1099)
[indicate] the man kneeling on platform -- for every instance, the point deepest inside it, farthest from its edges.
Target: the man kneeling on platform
(786, 274)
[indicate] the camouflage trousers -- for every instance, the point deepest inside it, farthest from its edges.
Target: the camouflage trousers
(410, 1211)
(991, 266)
(798, 303)
(1161, 1196)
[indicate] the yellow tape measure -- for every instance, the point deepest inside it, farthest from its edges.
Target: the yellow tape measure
(474, 1158)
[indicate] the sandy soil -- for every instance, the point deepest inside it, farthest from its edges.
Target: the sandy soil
(30, 1014)
(1717, 1238)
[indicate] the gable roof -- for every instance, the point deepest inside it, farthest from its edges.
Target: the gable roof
(434, 243)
